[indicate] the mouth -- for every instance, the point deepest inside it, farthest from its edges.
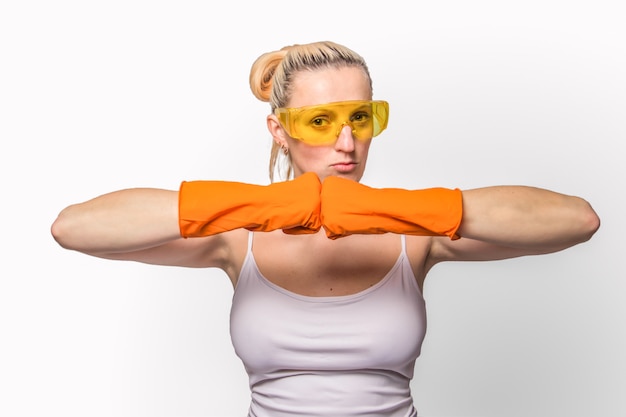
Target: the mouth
(346, 166)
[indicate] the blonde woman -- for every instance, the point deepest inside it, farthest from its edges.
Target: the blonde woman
(328, 315)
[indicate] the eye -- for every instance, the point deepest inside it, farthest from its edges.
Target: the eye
(319, 121)
(360, 117)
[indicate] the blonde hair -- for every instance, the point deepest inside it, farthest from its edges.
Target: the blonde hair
(272, 74)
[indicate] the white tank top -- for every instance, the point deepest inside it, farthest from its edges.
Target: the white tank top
(337, 356)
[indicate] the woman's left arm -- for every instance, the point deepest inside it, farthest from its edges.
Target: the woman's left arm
(526, 218)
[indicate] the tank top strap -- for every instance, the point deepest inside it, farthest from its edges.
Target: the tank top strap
(250, 238)
(403, 243)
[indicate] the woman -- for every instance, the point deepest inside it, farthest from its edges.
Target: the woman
(327, 316)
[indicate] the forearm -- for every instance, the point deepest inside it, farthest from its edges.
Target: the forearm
(526, 217)
(120, 221)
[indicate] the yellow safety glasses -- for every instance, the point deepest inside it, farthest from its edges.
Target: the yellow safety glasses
(321, 124)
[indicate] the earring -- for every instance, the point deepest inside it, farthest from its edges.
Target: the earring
(284, 149)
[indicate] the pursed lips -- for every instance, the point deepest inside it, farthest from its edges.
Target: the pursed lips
(344, 165)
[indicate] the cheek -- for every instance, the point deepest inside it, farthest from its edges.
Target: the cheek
(308, 158)
(363, 148)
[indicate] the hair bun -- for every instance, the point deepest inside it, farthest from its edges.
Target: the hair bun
(262, 72)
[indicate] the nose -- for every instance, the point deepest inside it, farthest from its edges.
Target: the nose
(345, 140)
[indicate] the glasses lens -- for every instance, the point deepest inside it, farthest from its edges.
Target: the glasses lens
(322, 124)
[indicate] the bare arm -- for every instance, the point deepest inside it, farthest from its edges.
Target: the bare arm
(147, 224)
(121, 221)
(507, 221)
(141, 225)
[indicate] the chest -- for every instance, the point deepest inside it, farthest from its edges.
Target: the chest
(316, 266)
(380, 327)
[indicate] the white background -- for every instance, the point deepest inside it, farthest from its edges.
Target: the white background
(97, 96)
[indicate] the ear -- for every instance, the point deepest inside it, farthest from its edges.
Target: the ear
(276, 130)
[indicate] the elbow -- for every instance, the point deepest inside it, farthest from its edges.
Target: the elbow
(61, 230)
(589, 222)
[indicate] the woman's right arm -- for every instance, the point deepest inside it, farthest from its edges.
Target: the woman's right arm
(139, 224)
(148, 224)
(142, 225)
(121, 221)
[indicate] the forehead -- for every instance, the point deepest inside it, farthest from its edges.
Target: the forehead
(329, 85)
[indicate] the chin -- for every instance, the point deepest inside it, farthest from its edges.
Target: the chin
(354, 176)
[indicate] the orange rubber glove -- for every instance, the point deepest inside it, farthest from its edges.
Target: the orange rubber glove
(209, 207)
(349, 207)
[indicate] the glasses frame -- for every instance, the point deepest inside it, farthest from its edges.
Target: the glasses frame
(287, 116)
